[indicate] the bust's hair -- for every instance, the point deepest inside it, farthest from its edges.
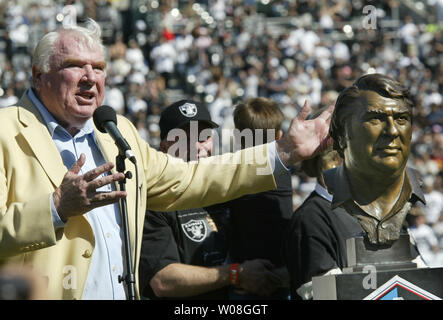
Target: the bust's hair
(90, 36)
(352, 97)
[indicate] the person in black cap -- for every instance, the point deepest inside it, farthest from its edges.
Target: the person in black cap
(191, 119)
(184, 252)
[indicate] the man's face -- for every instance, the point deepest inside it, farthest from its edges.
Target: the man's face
(378, 136)
(194, 143)
(74, 86)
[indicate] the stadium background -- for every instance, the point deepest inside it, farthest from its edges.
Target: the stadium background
(224, 51)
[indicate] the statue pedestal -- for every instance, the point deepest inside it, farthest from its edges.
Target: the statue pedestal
(380, 273)
(361, 253)
(413, 284)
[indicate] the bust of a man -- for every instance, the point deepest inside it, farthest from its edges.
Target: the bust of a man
(371, 128)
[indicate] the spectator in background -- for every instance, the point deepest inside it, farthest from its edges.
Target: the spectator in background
(118, 49)
(435, 117)
(434, 201)
(252, 83)
(184, 252)
(183, 43)
(423, 235)
(134, 54)
(114, 97)
(164, 55)
(135, 102)
(438, 230)
(408, 33)
(258, 220)
(9, 98)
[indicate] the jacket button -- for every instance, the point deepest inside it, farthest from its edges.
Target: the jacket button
(87, 254)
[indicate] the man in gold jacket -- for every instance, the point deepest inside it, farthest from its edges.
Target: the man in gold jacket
(59, 205)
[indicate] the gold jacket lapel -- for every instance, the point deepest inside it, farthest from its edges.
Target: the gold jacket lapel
(39, 140)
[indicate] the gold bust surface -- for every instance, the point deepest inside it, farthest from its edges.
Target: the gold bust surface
(371, 128)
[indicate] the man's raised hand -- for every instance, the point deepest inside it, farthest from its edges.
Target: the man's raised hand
(78, 194)
(305, 138)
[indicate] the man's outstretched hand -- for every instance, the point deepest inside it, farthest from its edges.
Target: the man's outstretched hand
(78, 193)
(305, 138)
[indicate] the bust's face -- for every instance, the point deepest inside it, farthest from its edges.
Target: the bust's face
(378, 136)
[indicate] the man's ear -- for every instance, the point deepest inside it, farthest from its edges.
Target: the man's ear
(164, 145)
(279, 135)
(36, 76)
(346, 135)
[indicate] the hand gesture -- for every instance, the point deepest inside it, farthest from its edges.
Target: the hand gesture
(78, 194)
(305, 138)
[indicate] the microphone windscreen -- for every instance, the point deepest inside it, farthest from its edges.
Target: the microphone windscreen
(102, 115)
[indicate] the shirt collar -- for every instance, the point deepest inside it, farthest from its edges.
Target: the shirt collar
(323, 192)
(50, 121)
(337, 184)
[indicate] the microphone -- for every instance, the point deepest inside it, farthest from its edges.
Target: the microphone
(105, 119)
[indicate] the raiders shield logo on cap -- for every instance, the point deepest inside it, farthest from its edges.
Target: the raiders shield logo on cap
(188, 110)
(195, 230)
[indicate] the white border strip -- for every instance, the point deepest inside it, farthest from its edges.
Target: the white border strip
(382, 290)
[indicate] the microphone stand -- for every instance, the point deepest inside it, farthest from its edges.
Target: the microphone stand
(130, 277)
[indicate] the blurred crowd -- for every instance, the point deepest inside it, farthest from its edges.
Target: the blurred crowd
(224, 51)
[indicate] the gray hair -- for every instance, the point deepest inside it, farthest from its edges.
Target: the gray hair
(90, 35)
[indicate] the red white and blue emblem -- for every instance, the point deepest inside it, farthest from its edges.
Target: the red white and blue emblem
(398, 288)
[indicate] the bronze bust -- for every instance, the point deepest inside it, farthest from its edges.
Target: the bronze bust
(371, 130)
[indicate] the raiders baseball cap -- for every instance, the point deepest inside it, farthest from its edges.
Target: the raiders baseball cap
(180, 113)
